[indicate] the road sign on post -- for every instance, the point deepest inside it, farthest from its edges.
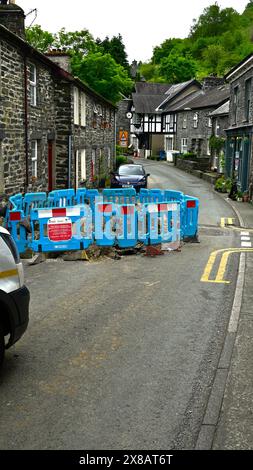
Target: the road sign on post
(123, 138)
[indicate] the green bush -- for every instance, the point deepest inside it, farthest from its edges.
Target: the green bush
(189, 156)
(118, 150)
(120, 160)
(220, 185)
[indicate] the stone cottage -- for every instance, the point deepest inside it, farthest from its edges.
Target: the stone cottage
(220, 120)
(239, 153)
(55, 132)
(194, 124)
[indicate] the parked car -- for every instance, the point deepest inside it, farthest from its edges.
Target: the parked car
(130, 176)
(14, 296)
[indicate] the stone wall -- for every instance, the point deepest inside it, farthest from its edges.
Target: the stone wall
(50, 120)
(239, 80)
(12, 130)
(202, 132)
(13, 18)
(123, 123)
(97, 138)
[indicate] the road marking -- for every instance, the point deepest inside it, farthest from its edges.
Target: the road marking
(244, 234)
(244, 239)
(226, 252)
(246, 244)
(222, 222)
(226, 221)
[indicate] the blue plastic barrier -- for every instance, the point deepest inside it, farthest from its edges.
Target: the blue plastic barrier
(61, 229)
(62, 198)
(163, 222)
(115, 216)
(120, 196)
(126, 226)
(191, 212)
(17, 230)
(105, 226)
(33, 201)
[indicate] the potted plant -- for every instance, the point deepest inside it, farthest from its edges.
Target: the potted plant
(239, 195)
(245, 196)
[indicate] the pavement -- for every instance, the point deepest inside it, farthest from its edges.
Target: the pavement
(234, 429)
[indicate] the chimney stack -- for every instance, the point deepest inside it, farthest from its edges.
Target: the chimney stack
(12, 17)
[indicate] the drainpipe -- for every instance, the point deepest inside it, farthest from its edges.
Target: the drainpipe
(26, 125)
(69, 161)
(115, 139)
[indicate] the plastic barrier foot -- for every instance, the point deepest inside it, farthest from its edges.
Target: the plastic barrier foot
(153, 250)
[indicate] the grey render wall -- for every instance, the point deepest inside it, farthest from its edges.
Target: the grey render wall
(12, 135)
(203, 131)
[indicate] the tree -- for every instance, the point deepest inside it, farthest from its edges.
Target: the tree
(76, 42)
(116, 48)
(39, 39)
(214, 57)
(175, 69)
(176, 46)
(103, 74)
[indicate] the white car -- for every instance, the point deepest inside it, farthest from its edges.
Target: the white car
(14, 296)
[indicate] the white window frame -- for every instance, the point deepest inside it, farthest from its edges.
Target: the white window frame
(208, 148)
(184, 145)
(33, 85)
(76, 106)
(209, 122)
(184, 122)
(34, 158)
(83, 164)
(195, 120)
(83, 109)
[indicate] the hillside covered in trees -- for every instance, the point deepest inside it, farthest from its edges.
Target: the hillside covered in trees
(218, 40)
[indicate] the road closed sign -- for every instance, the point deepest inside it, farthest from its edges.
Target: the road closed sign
(123, 138)
(59, 229)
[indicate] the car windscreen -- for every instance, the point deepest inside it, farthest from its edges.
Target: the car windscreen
(131, 170)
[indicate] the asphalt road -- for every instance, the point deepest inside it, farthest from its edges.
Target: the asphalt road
(121, 354)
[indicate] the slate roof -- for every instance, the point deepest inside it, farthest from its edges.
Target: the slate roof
(209, 98)
(146, 88)
(146, 104)
(223, 109)
(153, 97)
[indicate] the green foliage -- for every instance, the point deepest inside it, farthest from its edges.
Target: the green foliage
(220, 185)
(216, 143)
(116, 48)
(75, 42)
(176, 69)
(101, 64)
(218, 40)
(39, 39)
(223, 185)
(189, 156)
(120, 160)
(103, 74)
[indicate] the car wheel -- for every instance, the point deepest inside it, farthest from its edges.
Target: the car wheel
(2, 347)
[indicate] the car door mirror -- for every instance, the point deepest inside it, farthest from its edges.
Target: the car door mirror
(147, 174)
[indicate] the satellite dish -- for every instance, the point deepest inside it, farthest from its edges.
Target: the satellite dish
(129, 115)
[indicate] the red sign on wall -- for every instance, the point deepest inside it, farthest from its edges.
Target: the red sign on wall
(59, 229)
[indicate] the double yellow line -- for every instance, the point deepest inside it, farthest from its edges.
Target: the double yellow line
(219, 279)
